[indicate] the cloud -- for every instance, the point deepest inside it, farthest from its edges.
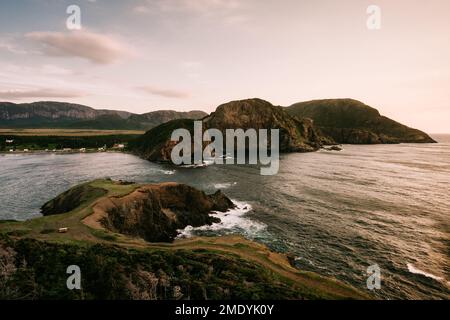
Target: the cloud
(166, 93)
(204, 7)
(7, 44)
(141, 9)
(39, 93)
(91, 46)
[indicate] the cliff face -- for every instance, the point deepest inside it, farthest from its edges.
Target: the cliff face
(156, 212)
(296, 135)
(48, 114)
(351, 121)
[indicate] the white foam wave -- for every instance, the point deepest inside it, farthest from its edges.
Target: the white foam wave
(169, 172)
(202, 165)
(232, 221)
(414, 270)
(225, 185)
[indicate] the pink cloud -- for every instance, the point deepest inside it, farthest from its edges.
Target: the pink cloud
(166, 93)
(39, 93)
(91, 46)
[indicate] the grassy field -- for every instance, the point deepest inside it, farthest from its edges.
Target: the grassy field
(67, 132)
(46, 229)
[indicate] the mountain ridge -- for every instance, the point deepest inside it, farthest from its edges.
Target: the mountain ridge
(52, 114)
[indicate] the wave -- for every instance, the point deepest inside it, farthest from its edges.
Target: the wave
(202, 165)
(414, 270)
(231, 221)
(225, 185)
(169, 172)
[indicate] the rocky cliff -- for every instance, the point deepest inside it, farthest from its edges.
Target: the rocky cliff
(155, 212)
(296, 135)
(353, 122)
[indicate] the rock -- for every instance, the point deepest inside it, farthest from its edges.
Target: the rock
(222, 203)
(333, 148)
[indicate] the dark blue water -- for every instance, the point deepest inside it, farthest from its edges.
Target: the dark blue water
(337, 212)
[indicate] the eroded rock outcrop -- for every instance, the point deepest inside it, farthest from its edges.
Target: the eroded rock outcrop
(296, 135)
(155, 212)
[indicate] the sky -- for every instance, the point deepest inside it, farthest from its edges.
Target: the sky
(146, 55)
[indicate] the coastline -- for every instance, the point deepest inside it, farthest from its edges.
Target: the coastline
(242, 256)
(35, 152)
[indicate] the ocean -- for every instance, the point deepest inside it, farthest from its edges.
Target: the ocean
(336, 212)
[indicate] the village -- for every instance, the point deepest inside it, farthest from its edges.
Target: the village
(12, 148)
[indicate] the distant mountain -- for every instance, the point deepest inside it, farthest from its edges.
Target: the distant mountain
(296, 135)
(155, 118)
(49, 114)
(351, 121)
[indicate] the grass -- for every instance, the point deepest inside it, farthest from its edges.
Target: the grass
(45, 229)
